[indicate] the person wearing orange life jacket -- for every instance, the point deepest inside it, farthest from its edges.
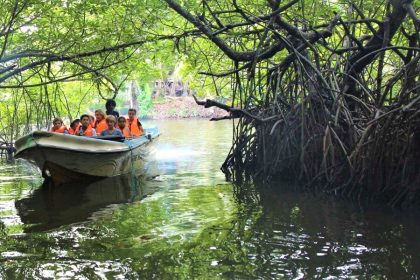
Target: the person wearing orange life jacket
(122, 125)
(74, 126)
(100, 123)
(85, 128)
(133, 123)
(58, 126)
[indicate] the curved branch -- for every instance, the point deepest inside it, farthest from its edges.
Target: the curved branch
(412, 13)
(67, 78)
(52, 57)
(234, 112)
(362, 58)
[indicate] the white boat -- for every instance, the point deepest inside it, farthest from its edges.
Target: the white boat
(65, 158)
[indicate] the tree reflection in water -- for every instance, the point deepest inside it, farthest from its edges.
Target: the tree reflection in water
(197, 226)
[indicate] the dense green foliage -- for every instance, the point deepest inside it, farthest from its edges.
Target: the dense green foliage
(329, 85)
(65, 58)
(325, 92)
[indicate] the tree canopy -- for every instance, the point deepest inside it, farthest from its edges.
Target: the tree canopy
(321, 88)
(59, 57)
(325, 92)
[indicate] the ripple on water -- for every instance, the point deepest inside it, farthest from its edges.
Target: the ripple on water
(15, 183)
(189, 226)
(76, 269)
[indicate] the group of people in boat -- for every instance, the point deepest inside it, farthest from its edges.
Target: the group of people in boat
(102, 124)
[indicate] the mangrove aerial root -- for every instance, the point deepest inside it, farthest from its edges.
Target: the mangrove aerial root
(339, 115)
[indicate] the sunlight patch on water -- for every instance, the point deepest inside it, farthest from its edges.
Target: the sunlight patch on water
(67, 269)
(12, 255)
(189, 223)
(5, 179)
(172, 153)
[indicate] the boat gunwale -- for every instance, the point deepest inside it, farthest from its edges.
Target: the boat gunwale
(128, 147)
(17, 155)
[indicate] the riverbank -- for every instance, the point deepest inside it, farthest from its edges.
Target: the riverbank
(182, 107)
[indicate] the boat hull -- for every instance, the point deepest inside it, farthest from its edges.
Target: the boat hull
(63, 158)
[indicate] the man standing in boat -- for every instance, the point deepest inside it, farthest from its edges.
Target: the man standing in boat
(86, 129)
(110, 106)
(133, 123)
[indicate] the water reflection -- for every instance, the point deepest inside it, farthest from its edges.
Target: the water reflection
(49, 207)
(194, 225)
(290, 234)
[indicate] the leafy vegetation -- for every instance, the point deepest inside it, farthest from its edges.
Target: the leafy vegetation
(326, 92)
(61, 58)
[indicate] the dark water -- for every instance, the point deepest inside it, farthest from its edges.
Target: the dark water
(189, 223)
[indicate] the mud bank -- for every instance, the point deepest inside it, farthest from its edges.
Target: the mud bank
(182, 107)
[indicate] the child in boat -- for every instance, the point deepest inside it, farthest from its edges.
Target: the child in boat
(58, 126)
(74, 126)
(111, 131)
(134, 125)
(123, 127)
(85, 128)
(110, 106)
(100, 123)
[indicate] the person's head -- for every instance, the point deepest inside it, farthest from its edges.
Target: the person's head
(75, 123)
(85, 120)
(57, 123)
(99, 115)
(132, 113)
(121, 122)
(110, 121)
(110, 105)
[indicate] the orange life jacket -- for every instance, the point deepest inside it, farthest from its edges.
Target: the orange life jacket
(101, 126)
(62, 129)
(125, 131)
(88, 132)
(135, 128)
(73, 131)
